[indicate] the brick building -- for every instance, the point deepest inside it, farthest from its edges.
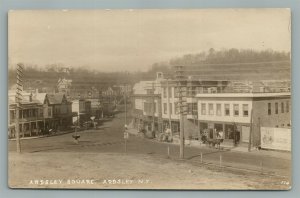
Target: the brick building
(236, 113)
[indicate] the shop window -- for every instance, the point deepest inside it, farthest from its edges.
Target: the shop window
(229, 131)
(227, 109)
(236, 109)
(269, 109)
(245, 110)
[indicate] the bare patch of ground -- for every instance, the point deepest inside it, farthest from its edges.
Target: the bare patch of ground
(120, 171)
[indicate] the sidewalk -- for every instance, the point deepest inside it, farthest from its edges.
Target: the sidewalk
(43, 136)
(239, 149)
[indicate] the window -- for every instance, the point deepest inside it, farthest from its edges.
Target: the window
(276, 107)
(165, 108)
(195, 109)
(165, 93)
(245, 110)
(176, 92)
(12, 114)
(236, 110)
(171, 108)
(49, 112)
(227, 109)
(282, 107)
(218, 110)
(189, 108)
(176, 108)
(287, 107)
(203, 109)
(145, 107)
(211, 109)
(170, 92)
(269, 109)
(41, 112)
(150, 91)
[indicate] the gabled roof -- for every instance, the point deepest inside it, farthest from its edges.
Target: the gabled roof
(40, 97)
(56, 98)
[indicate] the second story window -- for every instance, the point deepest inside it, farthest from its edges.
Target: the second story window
(189, 108)
(211, 109)
(170, 92)
(49, 112)
(195, 108)
(171, 108)
(245, 110)
(176, 108)
(227, 109)
(203, 109)
(165, 93)
(236, 110)
(276, 107)
(269, 109)
(218, 112)
(165, 108)
(12, 114)
(282, 107)
(287, 106)
(176, 92)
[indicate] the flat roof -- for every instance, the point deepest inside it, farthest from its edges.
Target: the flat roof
(244, 95)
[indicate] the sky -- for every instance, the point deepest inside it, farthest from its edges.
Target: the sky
(132, 40)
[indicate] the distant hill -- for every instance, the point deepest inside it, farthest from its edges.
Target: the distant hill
(225, 64)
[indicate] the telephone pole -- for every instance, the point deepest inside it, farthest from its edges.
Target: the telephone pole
(169, 112)
(250, 132)
(19, 90)
(181, 84)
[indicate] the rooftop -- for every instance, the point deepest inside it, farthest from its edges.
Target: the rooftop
(238, 95)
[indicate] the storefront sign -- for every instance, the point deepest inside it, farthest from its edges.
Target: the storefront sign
(276, 138)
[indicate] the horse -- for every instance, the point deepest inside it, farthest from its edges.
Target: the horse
(214, 142)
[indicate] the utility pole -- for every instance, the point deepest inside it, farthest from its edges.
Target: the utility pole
(250, 132)
(181, 84)
(153, 106)
(169, 112)
(19, 90)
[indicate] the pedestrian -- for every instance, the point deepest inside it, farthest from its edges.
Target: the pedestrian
(221, 136)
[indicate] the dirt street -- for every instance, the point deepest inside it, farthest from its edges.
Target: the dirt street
(112, 170)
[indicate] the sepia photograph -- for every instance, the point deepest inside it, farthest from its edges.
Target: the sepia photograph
(162, 99)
